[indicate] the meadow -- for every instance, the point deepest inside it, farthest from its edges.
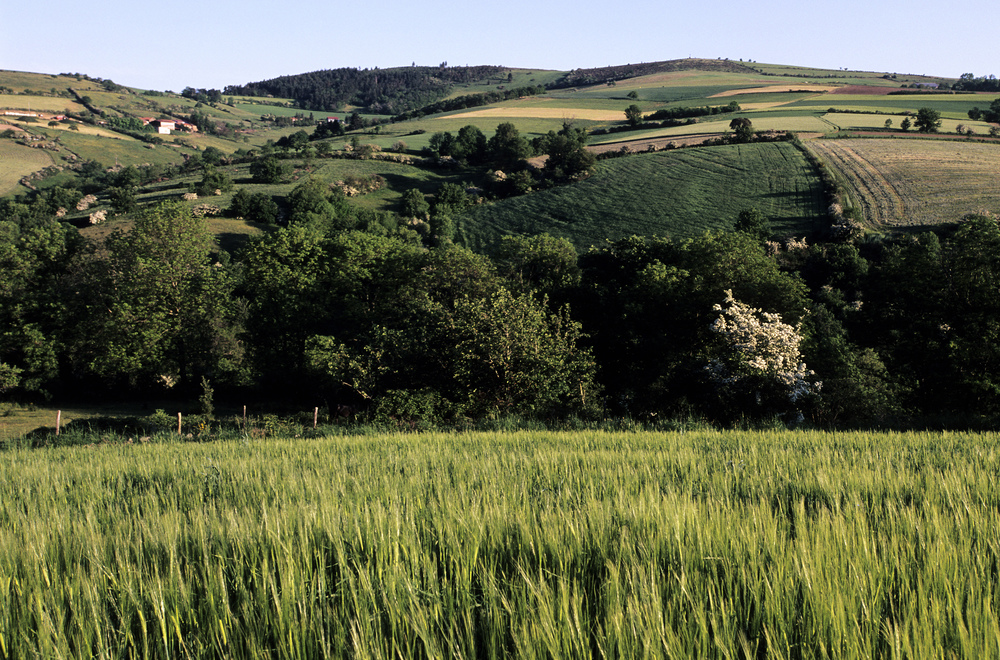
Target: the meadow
(685, 544)
(680, 193)
(17, 161)
(913, 182)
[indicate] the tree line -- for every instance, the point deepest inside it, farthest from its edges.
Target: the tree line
(732, 327)
(378, 91)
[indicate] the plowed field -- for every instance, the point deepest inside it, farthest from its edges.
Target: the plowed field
(901, 183)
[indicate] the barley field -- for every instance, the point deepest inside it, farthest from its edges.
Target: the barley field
(696, 544)
(913, 182)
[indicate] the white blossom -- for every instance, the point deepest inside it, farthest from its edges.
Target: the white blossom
(762, 345)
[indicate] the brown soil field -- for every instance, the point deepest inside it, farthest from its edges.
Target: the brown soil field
(805, 87)
(903, 183)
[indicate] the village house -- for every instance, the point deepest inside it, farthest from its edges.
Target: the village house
(164, 126)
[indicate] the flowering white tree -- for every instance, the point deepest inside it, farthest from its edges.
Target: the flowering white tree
(760, 359)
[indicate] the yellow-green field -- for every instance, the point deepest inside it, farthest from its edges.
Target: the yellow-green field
(48, 104)
(906, 182)
(849, 120)
(17, 161)
(502, 545)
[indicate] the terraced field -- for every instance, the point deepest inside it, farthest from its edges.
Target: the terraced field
(911, 182)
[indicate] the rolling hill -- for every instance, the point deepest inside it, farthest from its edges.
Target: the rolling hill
(680, 193)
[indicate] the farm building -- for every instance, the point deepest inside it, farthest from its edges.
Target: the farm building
(164, 126)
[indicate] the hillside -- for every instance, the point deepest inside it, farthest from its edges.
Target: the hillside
(380, 91)
(680, 193)
(81, 119)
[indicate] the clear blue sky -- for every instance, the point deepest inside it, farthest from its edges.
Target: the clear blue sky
(172, 45)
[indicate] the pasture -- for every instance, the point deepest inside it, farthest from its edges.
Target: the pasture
(528, 544)
(953, 106)
(679, 193)
(17, 161)
(914, 182)
(850, 120)
(33, 103)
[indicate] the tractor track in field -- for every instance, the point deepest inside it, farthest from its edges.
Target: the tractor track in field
(880, 201)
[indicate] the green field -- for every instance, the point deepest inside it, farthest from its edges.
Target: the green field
(955, 106)
(849, 120)
(531, 545)
(17, 161)
(679, 193)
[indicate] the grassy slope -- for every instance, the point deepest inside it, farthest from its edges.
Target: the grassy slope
(17, 161)
(592, 107)
(679, 193)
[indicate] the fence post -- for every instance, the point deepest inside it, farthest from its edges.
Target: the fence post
(178, 423)
(315, 416)
(58, 420)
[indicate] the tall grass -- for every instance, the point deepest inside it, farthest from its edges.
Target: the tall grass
(533, 544)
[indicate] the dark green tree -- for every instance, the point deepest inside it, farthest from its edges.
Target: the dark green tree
(751, 221)
(470, 145)
(743, 130)
(267, 170)
(36, 259)
(633, 115)
(507, 148)
(162, 309)
(255, 207)
(413, 204)
(212, 181)
(928, 120)
(541, 263)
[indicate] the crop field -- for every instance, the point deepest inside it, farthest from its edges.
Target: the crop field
(771, 89)
(679, 193)
(17, 161)
(848, 120)
(493, 545)
(912, 182)
(777, 120)
(955, 106)
(544, 113)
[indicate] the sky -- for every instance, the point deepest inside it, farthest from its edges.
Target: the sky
(209, 44)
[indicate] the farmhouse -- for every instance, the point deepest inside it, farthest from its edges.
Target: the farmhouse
(164, 126)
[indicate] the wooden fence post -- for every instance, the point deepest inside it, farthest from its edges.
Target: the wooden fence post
(58, 420)
(178, 423)
(315, 416)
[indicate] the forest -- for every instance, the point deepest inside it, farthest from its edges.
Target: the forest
(728, 327)
(379, 91)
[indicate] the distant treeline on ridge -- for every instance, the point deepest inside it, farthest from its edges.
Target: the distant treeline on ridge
(379, 91)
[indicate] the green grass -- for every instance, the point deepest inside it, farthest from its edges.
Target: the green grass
(847, 120)
(680, 193)
(529, 545)
(955, 106)
(17, 161)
